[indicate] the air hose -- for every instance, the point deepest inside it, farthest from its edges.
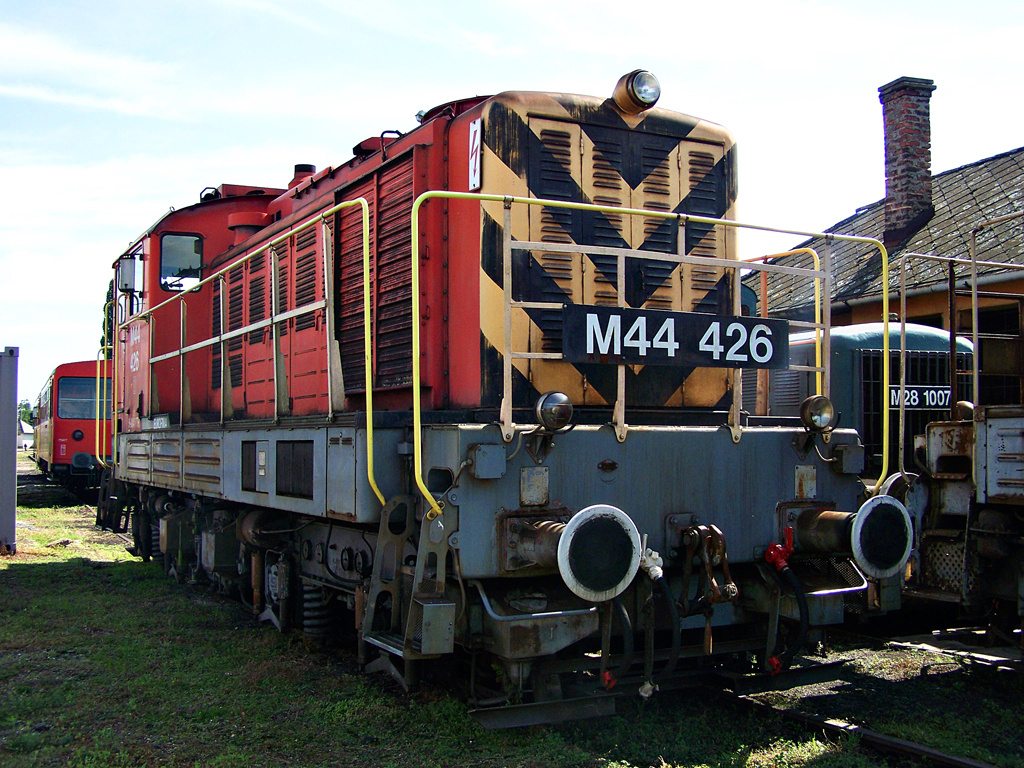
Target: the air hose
(777, 555)
(674, 623)
(609, 678)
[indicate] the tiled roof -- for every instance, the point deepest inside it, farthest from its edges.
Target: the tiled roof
(963, 198)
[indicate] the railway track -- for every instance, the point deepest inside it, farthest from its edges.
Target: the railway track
(873, 739)
(972, 645)
(890, 692)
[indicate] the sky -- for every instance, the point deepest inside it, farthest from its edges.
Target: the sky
(111, 113)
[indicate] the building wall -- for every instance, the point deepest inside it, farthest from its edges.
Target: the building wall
(923, 306)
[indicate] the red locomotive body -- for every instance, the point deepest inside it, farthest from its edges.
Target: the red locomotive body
(72, 435)
(685, 166)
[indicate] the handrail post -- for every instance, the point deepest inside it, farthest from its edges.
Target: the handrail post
(736, 374)
(823, 315)
(508, 429)
(619, 410)
(364, 208)
(335, 379)
(277, 355)
(183, 413)
(226, 405)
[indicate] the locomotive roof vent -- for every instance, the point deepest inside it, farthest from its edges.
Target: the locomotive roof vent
(302, 171)
(636, 92)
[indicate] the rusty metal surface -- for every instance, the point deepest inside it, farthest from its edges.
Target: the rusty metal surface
(520, 624)
(950, 449)
(1001, 456)
(545, 713)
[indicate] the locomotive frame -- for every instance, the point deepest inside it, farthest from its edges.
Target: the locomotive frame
(963, 487)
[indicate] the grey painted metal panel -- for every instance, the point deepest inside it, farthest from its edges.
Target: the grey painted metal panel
(694, 472)
(349, 495)
(202, 464)
(135, 457)
(1000, 448)
(9, 448)
(166, 459)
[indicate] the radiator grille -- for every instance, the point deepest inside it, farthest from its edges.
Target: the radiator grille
(942, 567)
(349, 288)
(394, 276)
(306, 284)
(390, 198)
(923, 368)
(257, 296)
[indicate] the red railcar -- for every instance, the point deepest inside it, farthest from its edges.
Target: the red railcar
(73, 424)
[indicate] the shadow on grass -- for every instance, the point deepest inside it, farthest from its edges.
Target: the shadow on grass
(961, 708)
(36, 492)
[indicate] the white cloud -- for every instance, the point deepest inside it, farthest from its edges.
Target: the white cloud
(44, 67)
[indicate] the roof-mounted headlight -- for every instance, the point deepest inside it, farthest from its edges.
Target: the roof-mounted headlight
(637, 91)
(554, 411)
(817, 413)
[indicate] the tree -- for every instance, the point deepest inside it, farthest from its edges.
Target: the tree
(25, 411)
(107, 339)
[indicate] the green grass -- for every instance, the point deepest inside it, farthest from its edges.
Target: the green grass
(106, 662)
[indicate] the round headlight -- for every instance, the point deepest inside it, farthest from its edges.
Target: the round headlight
(554, 410)
(77, 434)
(817, 413)
(645, 88)
(637, 91)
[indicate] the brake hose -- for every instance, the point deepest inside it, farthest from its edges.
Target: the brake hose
(777, 555)
(610, 678)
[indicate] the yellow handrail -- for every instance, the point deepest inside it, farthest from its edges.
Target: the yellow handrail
(368, 358)
(435, 509)
(817, 303)
(368, 352)
(102, 357)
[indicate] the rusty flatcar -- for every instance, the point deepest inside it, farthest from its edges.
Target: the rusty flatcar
(474, 394)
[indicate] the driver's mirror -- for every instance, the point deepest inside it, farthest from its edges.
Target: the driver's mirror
(126, 275)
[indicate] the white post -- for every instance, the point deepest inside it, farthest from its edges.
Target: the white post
(8, 448)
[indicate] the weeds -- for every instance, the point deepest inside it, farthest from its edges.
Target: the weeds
(105, 663)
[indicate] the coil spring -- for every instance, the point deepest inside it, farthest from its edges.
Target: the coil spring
(316, 618)
(154, 539)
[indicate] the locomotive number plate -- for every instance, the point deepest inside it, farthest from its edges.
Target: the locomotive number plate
(613, 335)
(920, 396)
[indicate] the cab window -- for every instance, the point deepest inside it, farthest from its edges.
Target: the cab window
(76, 397)
(181, 261)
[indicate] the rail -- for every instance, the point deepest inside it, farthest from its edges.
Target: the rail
(618, 413)
(974, 284)
(507, 424)
(820, 324)
(951, 261)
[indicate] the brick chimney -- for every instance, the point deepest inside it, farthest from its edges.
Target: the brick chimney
(908, 157)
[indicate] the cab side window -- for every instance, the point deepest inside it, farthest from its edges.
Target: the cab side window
(181, 261)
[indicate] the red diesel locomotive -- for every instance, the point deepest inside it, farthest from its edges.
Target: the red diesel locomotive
(72, 424)
(424, 393)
